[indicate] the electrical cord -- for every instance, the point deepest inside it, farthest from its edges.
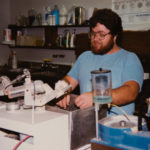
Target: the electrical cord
(20, 142)
(125, 114)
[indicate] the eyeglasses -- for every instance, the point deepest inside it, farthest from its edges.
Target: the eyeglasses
(100, 35)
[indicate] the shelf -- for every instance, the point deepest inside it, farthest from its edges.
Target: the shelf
(8, 42)
(38, 47)
(50, 35)
(46, 26)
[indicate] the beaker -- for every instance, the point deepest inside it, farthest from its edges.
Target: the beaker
(102, 86)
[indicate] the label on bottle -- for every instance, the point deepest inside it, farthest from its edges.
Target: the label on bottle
(7, 35)
(62, 19)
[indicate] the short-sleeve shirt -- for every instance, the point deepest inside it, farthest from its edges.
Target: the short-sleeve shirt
(124, 65)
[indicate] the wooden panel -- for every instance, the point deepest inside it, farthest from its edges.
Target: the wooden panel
(82, 43)
(96, 146)
(50, 37)
(138, 42)
(135, 41)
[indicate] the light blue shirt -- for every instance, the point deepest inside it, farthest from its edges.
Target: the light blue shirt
(124, 65)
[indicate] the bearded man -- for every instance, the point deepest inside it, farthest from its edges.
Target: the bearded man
(127, 71)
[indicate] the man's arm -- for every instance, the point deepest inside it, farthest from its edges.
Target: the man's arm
(71, 81)
(65, 101)
(126, 93)
(120, 96)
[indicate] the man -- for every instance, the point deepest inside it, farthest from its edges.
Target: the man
(127, 71)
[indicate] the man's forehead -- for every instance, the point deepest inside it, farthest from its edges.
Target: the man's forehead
(100, 27)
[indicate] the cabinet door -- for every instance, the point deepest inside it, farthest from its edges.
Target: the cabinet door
(50, 37)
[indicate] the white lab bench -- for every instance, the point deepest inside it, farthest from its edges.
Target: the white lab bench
(49, 129)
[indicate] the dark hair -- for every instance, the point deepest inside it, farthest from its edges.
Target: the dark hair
(110, 19)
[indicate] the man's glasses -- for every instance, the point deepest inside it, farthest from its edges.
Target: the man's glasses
(100, 35)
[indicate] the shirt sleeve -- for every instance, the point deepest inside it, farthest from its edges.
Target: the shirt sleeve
(75, 69)
(133, 69)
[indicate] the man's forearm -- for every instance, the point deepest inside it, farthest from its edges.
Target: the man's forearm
(71, 81)
(125, 94)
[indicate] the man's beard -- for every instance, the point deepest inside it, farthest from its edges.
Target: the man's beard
(103, 50)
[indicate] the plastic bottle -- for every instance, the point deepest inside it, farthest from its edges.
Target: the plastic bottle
(67, 39)
(31, 15)
(14, 60)
(71, 16)
(72, 39)
(63, 15)
(44, 12)
(55, 12)
(48, 12)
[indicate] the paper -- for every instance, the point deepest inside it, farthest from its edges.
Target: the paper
(133, 12)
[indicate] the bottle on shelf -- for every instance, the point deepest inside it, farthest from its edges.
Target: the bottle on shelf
(67, 39)
(49, 16)
(48, 12)
(72, 39)
(44, 12)
(63, 15)
(14, 60)
(55, 12)
(31, 16)
(71, 16)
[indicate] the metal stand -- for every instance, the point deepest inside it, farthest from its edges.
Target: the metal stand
(96, 118)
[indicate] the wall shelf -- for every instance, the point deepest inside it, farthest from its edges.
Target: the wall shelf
(12, 26)
(46, 37)
(39, 47)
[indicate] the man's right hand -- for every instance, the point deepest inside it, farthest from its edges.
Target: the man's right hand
(66, 99)
(64, 102)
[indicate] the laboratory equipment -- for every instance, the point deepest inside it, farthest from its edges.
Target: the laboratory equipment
(117, 132)
(79, 15)
(49, 130)
(102, 86)
(81, 122)
(37, 124)
(49, 123)
(36, 93)
(5, 82)
(102, 90)
(127, 132)
(148, 109)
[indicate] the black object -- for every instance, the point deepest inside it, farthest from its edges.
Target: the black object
(141, 105)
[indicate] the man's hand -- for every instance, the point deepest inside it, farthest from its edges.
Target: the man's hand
(64, 102)
(84, 100)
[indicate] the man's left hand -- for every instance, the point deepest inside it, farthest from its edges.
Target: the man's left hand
(84, 100)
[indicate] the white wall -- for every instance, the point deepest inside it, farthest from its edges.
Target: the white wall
(4, 21)
(11, 8)
(23, 5)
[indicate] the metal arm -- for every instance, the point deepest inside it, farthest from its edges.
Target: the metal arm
(5, 83)
(36, 92)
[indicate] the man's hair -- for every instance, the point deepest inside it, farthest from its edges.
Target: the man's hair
(109, 19)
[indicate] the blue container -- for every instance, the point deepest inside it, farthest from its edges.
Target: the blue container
(122, 137)
(55, 12)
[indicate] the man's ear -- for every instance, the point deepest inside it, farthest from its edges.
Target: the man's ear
(115, 38)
